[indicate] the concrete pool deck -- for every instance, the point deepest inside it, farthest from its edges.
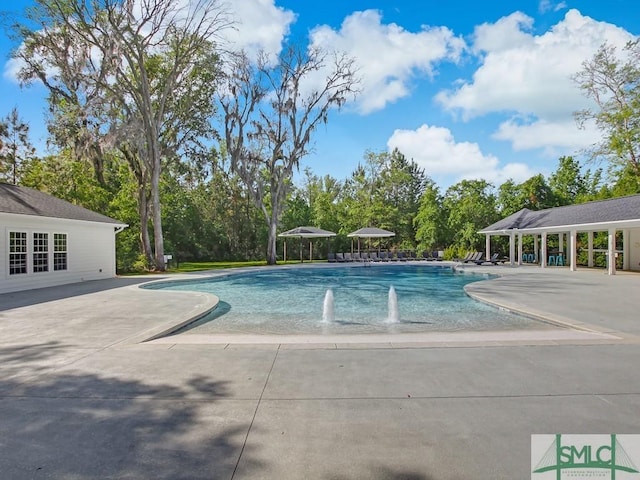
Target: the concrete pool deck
(82, 396)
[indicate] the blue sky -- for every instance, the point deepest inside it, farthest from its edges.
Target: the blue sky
(466, 89)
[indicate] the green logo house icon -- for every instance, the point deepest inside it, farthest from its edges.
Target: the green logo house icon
(585, 456)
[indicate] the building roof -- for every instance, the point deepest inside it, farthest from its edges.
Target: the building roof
(614, 212)
(307, 232)
(27, 201)
(371, 232)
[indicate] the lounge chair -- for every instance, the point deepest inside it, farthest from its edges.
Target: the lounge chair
(474, 258)
(495, 258)
(384, 257)
(348, 257)
(374, 257)
(331, 257)
(481, 260)
(340, 257)
(356, 257)
(466, 258)
(402, 256)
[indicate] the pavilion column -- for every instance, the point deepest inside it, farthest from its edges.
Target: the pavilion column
(573, 248)
(611, 253)
(543, 254)
(284, 255)
(561, 243)
(626, 250)
(512, 248)
(535, 247)
(590, 249)
(487, 246)
(519, 248)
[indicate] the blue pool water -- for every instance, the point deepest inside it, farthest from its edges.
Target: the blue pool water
(291, 301)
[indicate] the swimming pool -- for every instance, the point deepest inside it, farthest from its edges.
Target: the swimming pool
(291, 301)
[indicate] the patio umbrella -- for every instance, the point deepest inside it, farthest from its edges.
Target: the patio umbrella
(370, 232)
(305, 232)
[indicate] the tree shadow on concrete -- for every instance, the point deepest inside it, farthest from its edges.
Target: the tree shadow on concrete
(29, 354)
(389, 473)
(25, 298)
(33, 359)
(91, 426)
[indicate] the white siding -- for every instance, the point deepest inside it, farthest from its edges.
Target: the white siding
(90, 251)
(634, 249)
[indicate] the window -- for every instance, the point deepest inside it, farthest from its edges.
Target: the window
(17, 253)
(40, 252)
(59, 251)
(37, 252)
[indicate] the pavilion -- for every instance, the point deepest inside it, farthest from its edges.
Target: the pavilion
(369, 232)
(305, 232)
(613, 215)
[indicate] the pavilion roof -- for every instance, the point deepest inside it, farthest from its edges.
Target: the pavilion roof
(620, 212)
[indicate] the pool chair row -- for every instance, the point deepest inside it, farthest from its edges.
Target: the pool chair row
(478, 258)
(382, 256)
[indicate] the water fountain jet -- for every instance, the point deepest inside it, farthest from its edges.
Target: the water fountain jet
(394, 313)
(327, 307)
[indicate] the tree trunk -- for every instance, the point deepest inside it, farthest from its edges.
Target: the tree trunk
(272, 257)
(143, 212)
(138, 169)
(272, 221)
(157, 217)
(98, 164)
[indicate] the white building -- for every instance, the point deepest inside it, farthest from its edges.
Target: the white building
(614, 215)
(45, 241)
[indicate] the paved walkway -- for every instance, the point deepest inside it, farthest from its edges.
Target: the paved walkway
(82, 397)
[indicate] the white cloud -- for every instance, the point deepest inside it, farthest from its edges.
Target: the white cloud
(557, 138)
(11, 70)
(547, 6)
(436, 150)
(506, 34)
(387, 55)
(529, 76)
(260, 25)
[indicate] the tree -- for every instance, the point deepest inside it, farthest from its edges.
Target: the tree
(270, 114)
(64, 178)
(534, 194)
(510, 198)
(471, 206)
(357, 201)
(124, 64)
(399, 184)
(569, 185)
(322, 194)
(15, 148)
(431, 220)
(613, 83)
(537, 194)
